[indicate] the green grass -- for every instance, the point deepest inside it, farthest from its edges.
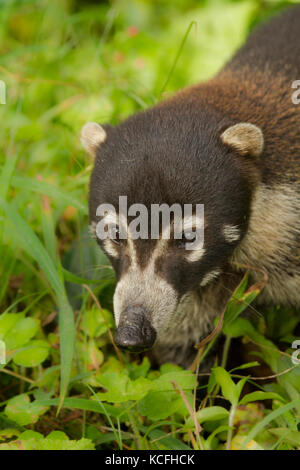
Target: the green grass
(64, 386)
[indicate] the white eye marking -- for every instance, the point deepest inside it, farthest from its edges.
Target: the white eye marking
(110, 218)
(210, 277)
(110, 248)
(194, 255)
(189, 222)
(116, 224)
(231, 233)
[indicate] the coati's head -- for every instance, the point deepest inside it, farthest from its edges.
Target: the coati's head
(170, 154)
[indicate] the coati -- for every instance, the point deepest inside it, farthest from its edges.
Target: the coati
(232, 144)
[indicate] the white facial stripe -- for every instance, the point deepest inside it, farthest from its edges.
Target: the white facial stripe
(194, 255)
(145, 287)
(191, 222)
(111, 218)
(110, 248)
(210, 277)
(231, 233)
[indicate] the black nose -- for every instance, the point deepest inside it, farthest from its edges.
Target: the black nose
(134, 331)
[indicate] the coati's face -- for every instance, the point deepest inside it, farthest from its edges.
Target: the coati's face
(153, 159)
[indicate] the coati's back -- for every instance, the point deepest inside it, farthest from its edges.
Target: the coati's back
(256, 86)
(273, 46)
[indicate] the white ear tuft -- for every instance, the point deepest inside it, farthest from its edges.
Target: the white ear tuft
(244, 137)
(92, 135)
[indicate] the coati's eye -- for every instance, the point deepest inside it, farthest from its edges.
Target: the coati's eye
(188, 236)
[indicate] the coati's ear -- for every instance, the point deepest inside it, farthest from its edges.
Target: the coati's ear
(245, 138)
(92, 135)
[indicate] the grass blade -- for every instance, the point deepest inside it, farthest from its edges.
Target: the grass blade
(34, 248)
(30, 184)
(267, 419)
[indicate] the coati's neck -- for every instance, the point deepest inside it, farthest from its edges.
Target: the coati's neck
(271, 242)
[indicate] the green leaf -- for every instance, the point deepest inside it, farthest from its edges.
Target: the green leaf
(162, 400)
(161, 405)
(120, 388)
(164, 441)
(211, 413)
(33, 354)
(57, 435)
(95, 322)
(8, 433)
(137, 370)
(260, 395)
(229, 389)
(22, 411)
(211, 437)
(59, 444)
(184, 378)
(245, 366)
(31, 435)
(21, 333)
(7, 321)
(48, 443)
